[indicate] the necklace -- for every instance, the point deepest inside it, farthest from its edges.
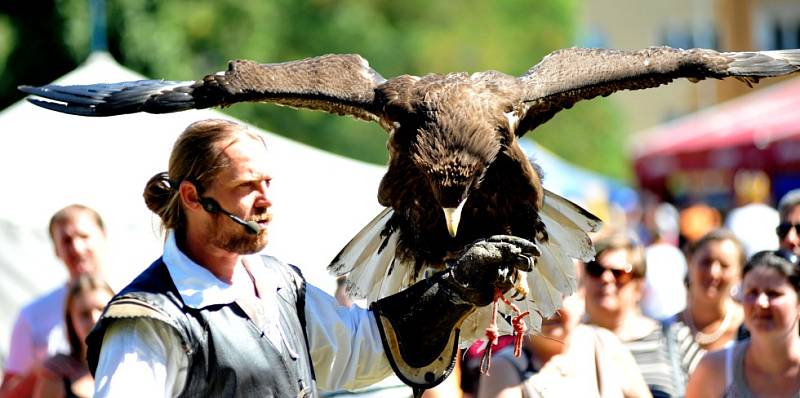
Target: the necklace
(708, 338)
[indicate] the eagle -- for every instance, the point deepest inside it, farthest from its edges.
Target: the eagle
(456, 172)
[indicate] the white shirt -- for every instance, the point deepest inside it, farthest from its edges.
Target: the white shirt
(664, 291)
(38, 332)
(754, 224)
(140, 359)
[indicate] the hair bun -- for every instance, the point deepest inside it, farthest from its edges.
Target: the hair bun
(157, 192)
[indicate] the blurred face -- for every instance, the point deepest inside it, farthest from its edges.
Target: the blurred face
(610, 284)
(714, 270)
(242, 190)
(86, 309)
(80, 244)
(788, 232)
(561, 325)
(770, 303)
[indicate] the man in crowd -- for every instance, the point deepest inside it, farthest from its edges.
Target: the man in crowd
(209, 318)
(789, 228)
(79, 239)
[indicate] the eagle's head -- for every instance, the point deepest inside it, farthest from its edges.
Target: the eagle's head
(452, 128)
(454, 159)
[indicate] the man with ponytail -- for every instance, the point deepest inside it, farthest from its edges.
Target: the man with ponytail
(211, 317)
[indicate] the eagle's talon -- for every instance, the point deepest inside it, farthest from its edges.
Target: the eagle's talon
(530, 263)
(519, 291)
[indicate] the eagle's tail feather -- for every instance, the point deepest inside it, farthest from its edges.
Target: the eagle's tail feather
(367, 257)
(568, 225)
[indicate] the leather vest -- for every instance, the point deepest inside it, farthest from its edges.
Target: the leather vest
(228, 354)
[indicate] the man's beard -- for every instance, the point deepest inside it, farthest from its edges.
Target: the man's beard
(233, 238)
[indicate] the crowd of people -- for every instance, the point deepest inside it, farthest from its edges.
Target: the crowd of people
(710, 315)
(735, 333)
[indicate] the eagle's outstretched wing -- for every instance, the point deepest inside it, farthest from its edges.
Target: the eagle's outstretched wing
(567, 76)
(339, 84)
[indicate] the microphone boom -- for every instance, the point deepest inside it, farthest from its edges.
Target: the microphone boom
(211, 206)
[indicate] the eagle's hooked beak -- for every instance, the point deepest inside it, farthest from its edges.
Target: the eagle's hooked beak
(453, 216)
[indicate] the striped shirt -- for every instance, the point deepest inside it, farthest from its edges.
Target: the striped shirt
(652, 355)
(690, 352)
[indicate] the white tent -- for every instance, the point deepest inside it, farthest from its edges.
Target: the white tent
(49, 160)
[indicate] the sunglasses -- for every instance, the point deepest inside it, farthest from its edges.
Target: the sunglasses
(622, 276)
(784, 228)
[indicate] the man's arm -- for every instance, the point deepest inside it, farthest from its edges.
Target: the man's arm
(141, 355)
(345, 343)
(19, 375)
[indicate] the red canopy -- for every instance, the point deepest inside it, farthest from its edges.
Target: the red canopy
(757, 131)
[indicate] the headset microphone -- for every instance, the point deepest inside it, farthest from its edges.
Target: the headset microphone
(211, 206)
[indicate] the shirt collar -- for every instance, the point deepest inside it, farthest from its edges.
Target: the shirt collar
(197, 286)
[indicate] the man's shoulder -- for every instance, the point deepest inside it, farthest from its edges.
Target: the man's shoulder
(276, 265)
(48, 302)
(154, 279)
(152, 294)
(283, 274)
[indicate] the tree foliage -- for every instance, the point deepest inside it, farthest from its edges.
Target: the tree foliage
(183, 40)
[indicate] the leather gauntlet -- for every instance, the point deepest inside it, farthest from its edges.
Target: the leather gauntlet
(419, 326)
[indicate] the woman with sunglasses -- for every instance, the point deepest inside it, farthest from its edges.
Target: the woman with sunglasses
(712, 317)
(568, 359)
(614, 284)
(768, 364)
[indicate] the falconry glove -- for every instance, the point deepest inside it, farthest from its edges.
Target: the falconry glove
(420, 325)
(489, 264)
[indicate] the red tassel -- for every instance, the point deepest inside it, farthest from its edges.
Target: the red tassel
(517, 322)
(491, 335)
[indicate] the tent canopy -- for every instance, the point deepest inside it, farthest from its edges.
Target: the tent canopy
(756, 131)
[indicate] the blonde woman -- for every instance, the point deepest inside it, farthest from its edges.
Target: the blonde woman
(712, 317)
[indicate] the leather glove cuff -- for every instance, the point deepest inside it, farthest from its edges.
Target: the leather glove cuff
(419, 328)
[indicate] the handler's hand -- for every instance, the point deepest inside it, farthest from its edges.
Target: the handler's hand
(491, 263)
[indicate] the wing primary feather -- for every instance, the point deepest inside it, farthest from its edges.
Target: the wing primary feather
(109, 99)
(764, 63)
(63, 108)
